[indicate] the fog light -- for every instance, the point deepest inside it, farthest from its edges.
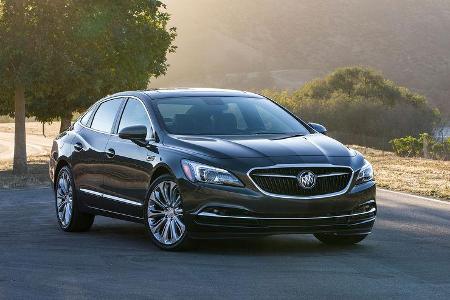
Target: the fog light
(365, 207)
(224, 211)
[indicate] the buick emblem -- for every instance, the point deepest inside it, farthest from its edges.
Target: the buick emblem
(307, 179)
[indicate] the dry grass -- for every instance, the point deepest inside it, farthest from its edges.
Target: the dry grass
(37, 165)
(34, 128)
(37, 174)
(413, 175)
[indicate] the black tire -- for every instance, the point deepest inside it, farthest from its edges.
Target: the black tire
(184, 242)
(78, 221)
(339, 240)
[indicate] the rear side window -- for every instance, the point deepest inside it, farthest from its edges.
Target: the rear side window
(106, 113)
(87, 116)
(135, 114)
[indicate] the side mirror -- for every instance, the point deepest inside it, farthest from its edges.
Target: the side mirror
(319, 128)
(134, 133)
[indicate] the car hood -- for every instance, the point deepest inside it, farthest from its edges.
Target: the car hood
(258, 146)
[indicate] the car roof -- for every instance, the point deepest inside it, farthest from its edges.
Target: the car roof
(189, 92)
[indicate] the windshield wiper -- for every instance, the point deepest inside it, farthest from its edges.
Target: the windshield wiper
(287, 135)
(261, 133)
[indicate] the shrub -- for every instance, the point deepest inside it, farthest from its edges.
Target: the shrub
(423, 146)
(408, 146)
(360, 104)
(442, 150)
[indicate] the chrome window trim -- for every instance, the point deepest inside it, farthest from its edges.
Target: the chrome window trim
(114, 198)
(82, 115)
(213, 215)
(101, 101)
(98, 103)
(302, 166)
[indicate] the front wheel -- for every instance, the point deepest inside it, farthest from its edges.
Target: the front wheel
(164, 214)
(334, 239)
(70, 218)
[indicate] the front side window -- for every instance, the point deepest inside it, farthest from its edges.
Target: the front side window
(226, 116)
(135, 114)
(106, 113)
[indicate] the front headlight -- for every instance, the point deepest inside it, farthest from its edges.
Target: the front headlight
(203, 173)
(365, 174)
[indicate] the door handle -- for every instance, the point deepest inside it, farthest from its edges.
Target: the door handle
(78, 146)
(110, 153)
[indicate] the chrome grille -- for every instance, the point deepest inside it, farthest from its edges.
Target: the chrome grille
(283, 181)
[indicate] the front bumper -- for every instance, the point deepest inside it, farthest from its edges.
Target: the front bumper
(218, 212)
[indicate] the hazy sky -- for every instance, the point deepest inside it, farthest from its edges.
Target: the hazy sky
(281, 44)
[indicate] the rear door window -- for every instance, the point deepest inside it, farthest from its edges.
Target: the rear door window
(106, 114)
(87, 116)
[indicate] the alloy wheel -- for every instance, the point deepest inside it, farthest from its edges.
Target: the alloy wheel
(165, 213)
(64, 199)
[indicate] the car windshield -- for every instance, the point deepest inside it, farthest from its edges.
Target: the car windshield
(226, 116)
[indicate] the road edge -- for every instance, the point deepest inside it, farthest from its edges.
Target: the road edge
(415, 196)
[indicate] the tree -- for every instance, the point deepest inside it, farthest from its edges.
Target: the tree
(106, 47)
(21, 55)
(359, 105)
(59, 56)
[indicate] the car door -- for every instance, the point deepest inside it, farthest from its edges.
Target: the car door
(128, 170)
(89, 154)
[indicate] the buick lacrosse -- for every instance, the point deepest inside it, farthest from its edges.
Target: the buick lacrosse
(207, 163)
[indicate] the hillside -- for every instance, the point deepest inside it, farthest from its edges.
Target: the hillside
(281, 44)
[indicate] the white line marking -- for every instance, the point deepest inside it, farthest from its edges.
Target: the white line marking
(415, 196)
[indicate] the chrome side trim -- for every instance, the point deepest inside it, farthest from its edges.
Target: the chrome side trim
(213, 215)
(114, 198)
(91, 192)
(116, 213)
(345, 190)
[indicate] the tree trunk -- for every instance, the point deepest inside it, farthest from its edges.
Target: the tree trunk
(20, 146)
(66, 121)
(426, 154)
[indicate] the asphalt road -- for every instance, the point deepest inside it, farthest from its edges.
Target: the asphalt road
(407, 256)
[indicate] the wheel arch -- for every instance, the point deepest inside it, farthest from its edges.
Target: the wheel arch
(161, 169)
(62, 162)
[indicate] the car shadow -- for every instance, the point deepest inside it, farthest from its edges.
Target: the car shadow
(135, 236)
(271, 245)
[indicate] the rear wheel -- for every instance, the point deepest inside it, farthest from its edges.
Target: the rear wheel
(67, 208)
(164, 214)
(334, 239)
